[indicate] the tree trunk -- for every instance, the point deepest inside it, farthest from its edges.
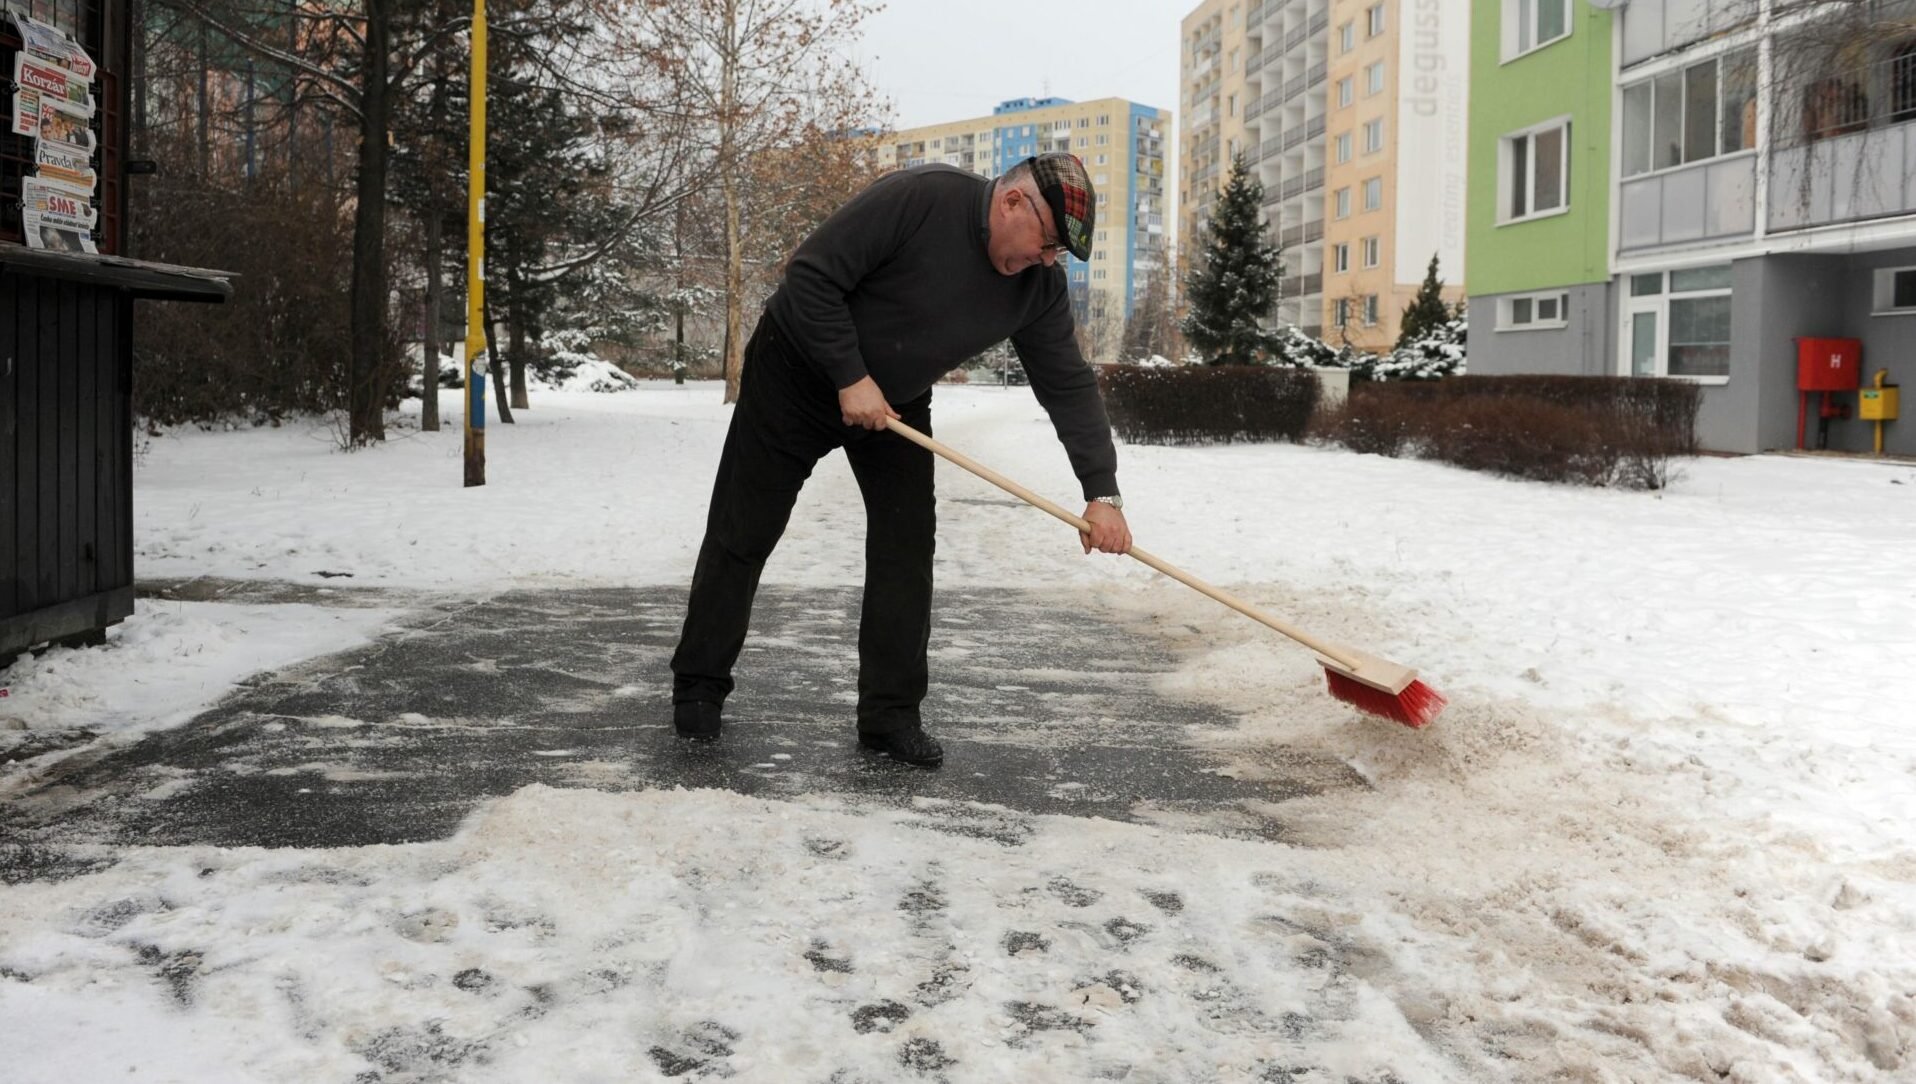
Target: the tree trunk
(516, 327)
(496, 368)
(364, 400)
(678, 348)
(435, 293)
(728, 177)
(205, 107)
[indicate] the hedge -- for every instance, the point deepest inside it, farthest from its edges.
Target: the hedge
(1208, 404)
(1587, 430)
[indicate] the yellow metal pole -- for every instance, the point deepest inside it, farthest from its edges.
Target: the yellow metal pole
(476, 259)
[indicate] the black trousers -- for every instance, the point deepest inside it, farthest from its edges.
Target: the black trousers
(785, 421)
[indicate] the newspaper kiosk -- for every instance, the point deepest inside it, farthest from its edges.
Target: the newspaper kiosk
(66, 324)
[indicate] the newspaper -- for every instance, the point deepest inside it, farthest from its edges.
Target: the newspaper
(49, 42)
(57, 217)
(37, 80)
(66, 163)
(62, 123)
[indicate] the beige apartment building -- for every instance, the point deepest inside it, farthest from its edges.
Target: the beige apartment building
(1122, 145)
(1351, 114)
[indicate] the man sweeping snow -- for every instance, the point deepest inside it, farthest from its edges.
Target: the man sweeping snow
(923, 269)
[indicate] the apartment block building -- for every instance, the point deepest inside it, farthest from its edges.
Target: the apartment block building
(1749, 173)
(1122, 145)
(1352, 114)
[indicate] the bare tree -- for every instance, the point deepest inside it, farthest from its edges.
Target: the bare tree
(748, 71)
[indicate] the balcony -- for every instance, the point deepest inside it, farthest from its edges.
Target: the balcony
(1302, 285)
(1851, 148)
(1303, 235)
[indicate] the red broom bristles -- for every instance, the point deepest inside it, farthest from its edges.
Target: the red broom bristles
(1415, 707)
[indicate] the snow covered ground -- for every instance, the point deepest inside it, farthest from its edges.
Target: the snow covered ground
(1665, 831)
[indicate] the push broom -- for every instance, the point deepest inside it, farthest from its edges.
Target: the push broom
(1364, 681)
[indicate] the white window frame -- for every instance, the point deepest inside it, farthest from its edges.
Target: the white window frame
(1373, 135)
(1506, 311)
(1883, 292)
(1376, 185)
(1341, 312)
(1648, 136)
(1370, 310)
(1347, 36)
(1341, 203)
(1374, 79)
(1342, 148)
(1346, 91)
(1513, 11)
(1340, 258)
(1372, 248)
(1657, 305)
(1504, 155)
(1374, 20)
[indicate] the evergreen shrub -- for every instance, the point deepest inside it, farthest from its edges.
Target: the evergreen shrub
(1208, 404)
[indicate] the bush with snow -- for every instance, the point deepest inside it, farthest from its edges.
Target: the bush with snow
(567, 370)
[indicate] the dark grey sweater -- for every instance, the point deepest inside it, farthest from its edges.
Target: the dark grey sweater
(897, 285)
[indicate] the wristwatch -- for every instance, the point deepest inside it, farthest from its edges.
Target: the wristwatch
(1113, 500)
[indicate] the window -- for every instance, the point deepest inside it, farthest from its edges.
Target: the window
(1370, 252)
(1374, 21)
(1679, 324)
(1103, 139)
(1374, 78)
(1082, 142)
(1902, 84)
(1343, 203)
(1533, 312)
(1341, 312)
(1104, 120)
(1700, 336)
(1532, 24)
(1344, 148)
(1233, 60)
(1535, 176)
(1370, 310)
(1233, 105)
(1373, 193)
(1347, 37)
(1895, 290)
(1346, 90)
(1694, 113)
(1374, 136)
(1340, 258)
(1084, 122)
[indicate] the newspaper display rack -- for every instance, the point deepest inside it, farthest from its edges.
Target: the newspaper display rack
(53, 103)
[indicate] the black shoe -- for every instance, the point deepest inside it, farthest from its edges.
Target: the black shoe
(911, 745)
(697, 720)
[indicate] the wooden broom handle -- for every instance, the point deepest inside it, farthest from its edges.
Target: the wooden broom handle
(1328, 650)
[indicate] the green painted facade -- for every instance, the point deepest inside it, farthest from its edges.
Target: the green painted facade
(1570, 76)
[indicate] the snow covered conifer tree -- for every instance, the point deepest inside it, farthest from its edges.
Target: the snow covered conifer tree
(1426, 314)
(1234, 285)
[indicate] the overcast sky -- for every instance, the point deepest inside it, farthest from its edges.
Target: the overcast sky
(942, 61)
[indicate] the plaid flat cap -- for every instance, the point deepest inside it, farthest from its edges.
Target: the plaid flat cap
(1063, 184)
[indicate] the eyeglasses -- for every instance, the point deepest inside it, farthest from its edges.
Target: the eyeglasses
(1052, 248)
